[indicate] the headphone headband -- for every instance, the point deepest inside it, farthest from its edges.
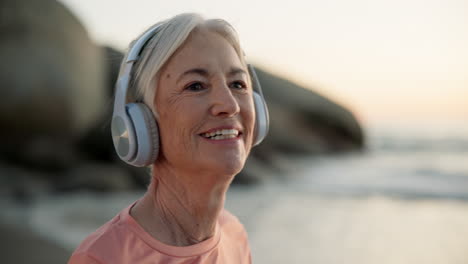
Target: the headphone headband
(132, 56)
(135, 49)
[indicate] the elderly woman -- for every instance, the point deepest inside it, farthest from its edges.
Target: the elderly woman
(197, 112)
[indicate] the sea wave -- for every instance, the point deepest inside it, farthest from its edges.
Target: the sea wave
(394, 144)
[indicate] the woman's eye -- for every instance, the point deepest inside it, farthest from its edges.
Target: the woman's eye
(197, 86)
(238, 85)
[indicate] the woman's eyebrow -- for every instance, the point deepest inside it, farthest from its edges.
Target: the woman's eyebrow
(198, 71)
(235, 70)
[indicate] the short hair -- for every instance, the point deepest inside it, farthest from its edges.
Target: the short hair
(170, 36)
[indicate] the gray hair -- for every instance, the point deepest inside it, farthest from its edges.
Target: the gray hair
(170, 36)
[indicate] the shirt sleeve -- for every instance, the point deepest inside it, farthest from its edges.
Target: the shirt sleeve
(83, 258)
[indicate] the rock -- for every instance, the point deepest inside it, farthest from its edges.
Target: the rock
(96, 143)
(113, 59)
(302, 122)
(96, 177)
(23, 185)
(51, 74)
(42, 153)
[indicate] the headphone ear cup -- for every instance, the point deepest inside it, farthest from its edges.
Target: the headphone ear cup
(261, 119)
(123, 136)
(146, 134)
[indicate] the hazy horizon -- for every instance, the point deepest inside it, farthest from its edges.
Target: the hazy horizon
(384, 60)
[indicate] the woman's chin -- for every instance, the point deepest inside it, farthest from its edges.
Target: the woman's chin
(228, 161)
(228, 167)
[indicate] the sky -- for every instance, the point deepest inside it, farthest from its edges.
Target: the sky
(384, 60)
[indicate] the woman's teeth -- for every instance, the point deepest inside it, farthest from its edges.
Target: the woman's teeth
(222, 134)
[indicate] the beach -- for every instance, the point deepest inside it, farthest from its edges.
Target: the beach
(283, 227)
(403, 200)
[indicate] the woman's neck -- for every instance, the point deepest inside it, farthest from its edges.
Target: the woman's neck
(181, 210)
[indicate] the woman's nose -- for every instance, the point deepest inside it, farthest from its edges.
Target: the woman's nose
(224, 103)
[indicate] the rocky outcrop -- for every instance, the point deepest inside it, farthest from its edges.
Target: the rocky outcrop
(302, 122)
(305, 122)
(51, 79)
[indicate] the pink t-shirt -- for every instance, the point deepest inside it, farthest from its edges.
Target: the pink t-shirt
(123, 240)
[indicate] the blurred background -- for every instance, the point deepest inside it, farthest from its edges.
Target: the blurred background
(367, 156)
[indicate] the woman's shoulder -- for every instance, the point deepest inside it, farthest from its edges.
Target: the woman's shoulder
(234, 238)
(108, 238)
(106, 232)
(230, 223)
(227, 217)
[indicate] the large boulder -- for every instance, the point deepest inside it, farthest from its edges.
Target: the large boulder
(52, 82)
(305, 122)
(302, 122)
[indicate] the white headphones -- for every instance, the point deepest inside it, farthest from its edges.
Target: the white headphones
(134, 128)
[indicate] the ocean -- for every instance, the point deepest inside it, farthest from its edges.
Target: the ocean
(412, 160)
(404, 199)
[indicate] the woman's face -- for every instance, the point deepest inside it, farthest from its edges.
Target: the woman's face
(206, 112)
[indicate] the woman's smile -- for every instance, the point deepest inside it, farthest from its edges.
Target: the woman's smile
(222, 135)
